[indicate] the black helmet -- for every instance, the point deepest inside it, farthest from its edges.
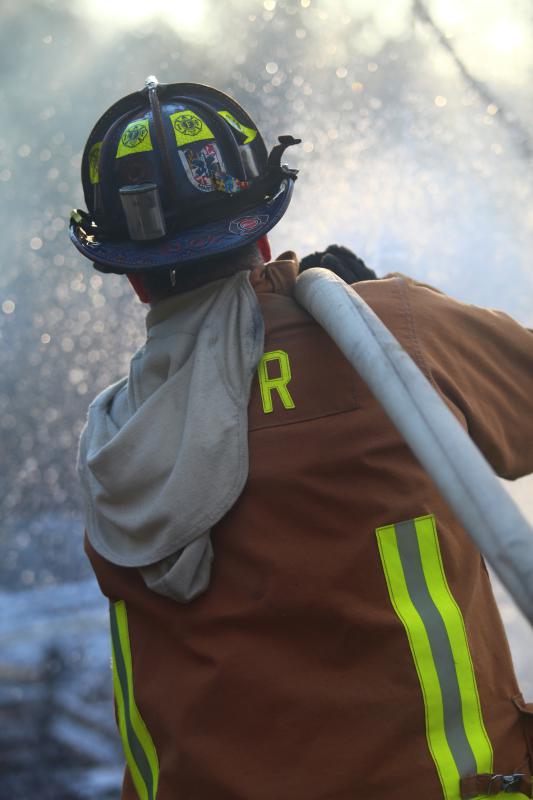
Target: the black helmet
(175, 173)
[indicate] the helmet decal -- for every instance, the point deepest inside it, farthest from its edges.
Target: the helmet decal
(249, 133)
(135, 139)
(229, 184)
(94, 156)
(201, 164)
(188, 127)
(248, 224)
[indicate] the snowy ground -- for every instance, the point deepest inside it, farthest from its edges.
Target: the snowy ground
(57, 731)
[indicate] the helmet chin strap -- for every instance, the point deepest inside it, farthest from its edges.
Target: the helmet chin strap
(264, 248)
(138, 285)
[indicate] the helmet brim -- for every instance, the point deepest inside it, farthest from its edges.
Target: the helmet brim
(182, 247)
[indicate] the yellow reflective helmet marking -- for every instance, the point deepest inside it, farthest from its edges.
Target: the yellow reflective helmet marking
(135, 138)
(94, 156)
(419, 592)
(141, 755)
(268, 384)
(249, 133)
(188, 127)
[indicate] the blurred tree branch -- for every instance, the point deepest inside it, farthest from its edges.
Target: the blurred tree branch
(507, 117)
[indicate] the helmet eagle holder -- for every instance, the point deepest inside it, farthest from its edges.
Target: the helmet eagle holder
(171, 166)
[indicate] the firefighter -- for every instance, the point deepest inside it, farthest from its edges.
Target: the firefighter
(295, 612)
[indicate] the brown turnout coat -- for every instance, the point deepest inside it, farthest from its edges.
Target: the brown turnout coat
(293, 677)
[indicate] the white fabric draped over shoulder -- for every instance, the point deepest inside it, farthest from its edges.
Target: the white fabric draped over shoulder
(164, 453)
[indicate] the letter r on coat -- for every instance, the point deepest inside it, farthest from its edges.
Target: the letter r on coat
(268, 384)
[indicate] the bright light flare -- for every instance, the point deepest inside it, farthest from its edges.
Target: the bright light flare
(489, 35)
(185, 16)
(506, 36)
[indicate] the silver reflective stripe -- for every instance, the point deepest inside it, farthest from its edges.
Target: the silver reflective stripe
(435, 629)
(440, 647)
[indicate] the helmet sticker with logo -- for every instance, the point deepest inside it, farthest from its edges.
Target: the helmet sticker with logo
(201, 164)
(188, 127)
(135, 139)
(248, 224)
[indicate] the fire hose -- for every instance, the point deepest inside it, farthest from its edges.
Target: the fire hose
(461, 473)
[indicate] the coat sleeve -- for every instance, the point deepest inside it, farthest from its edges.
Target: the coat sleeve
(482, 360)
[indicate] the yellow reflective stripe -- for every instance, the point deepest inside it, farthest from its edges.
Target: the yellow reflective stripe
(141, 755)
(423, 658)
(419, 592)
(119, 697)
(248, 133)
(453, 620)
(94, 157)
(503, 796)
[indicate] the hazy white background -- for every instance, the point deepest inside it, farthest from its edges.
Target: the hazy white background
(417, 125)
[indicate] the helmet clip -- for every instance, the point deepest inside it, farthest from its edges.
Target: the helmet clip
(274, 159)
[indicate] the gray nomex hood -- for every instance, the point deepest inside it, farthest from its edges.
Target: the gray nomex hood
(164, 453)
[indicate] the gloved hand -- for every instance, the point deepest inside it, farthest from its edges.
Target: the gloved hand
(342, 262)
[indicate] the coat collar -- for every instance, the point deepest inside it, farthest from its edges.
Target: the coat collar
(276, 277)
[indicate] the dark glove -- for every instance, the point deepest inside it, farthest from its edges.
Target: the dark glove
(342, 262)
